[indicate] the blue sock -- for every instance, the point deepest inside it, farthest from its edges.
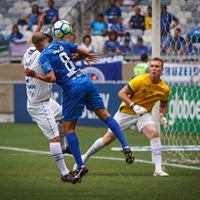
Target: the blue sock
(114, 127)
(73, 143)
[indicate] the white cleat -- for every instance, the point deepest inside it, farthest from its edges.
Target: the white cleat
(75, 167)
(161, 173)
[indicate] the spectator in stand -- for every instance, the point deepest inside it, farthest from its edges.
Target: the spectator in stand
(174, 44)
(125, 49)
(86, 43)
(139, 48)
(188, 47)
(117, 26)
(112, 10)
(142, 67)
(16, 36)
(166, 19)
(148, 19)
(137, 20)
(111, 46)
(51, 13)
(128, 3)
(99, 26)
(33, 17)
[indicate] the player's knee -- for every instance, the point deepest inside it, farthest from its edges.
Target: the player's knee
(153, 134)
(56, 139)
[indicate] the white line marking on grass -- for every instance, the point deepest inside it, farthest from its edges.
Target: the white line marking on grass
(97, 157)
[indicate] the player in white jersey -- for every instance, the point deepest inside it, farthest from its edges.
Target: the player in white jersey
(44, 110)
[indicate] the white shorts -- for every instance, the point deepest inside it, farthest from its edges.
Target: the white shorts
(45, 115)
(126, 120)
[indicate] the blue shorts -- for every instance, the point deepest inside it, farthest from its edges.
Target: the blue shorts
(82, 93)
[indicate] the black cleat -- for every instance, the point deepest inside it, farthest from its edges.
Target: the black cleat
(67, 150)
(78, 174)
(129, 158)
(68, 178)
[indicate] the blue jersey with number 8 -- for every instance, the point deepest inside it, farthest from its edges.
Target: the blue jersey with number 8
(57, 57)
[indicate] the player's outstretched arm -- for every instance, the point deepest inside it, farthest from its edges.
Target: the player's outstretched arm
(81, 54)
(93, 57)
(49, 77)
(39, 26)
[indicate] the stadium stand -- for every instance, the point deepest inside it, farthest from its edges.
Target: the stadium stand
(81, 12)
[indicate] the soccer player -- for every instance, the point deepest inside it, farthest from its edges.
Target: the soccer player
(78, 91)
(44, 110)
(138, 98)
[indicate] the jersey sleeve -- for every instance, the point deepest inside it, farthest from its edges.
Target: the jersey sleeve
(73, 47)
(166, 95)
(44, 62)
(135, 83)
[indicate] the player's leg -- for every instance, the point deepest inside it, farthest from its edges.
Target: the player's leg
(124, 121)
(147, 126)
(42, 114)
(57, 113)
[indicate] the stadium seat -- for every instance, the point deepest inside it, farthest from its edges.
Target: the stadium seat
(15, 12)
(124, 14)
(27, 35)
(184, 14)
(34, 2)
(147, 40)
(21, 4)
(63, 11)
(8, 27)
(27, 10)
(135, 32)
(6, 21)
(3, 10)
(182, 20)
(147, 32)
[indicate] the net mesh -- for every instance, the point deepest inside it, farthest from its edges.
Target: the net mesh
(182, 73)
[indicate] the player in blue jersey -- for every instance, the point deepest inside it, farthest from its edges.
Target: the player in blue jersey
(78, 91)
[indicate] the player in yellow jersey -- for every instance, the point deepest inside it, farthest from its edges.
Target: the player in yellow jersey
(138, 98)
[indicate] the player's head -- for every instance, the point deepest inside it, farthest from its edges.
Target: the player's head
(49, 37)
(40, 40)
(156, 67)
(144, 57)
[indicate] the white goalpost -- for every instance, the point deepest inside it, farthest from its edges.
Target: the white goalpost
(181, 140)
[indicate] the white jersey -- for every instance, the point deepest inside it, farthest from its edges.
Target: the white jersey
(37, 90)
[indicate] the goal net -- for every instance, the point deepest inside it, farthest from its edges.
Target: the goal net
(181, 139)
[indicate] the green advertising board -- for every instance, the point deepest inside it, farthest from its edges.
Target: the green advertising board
(184, 109)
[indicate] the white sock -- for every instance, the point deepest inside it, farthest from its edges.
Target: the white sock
(156, 149)
(62, 137)
(97, 145)
(56, 152)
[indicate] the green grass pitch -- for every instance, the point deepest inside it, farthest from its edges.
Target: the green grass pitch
(34, 176)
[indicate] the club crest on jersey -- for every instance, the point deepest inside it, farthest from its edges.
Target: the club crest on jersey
(31, 51)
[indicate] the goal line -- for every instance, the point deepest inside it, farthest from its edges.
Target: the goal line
(164, 148)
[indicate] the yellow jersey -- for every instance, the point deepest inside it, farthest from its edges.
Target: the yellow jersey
(148, 22)
(145, 93)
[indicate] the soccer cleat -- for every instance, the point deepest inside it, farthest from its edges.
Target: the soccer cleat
(161, 173)
(129, 156)
(75, 167)
(78, 174)
(68, 178)
(67, 150)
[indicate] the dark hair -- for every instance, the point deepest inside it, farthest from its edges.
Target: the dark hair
(15, 26)
(100, 15)
(113, 33)
(158, 59)
(51, 1)
(49, 36)
(149, 7)
(143, 57)
(178, 29)
(35, 5)
(86, 36)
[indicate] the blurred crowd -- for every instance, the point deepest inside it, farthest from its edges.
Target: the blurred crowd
(110, 34)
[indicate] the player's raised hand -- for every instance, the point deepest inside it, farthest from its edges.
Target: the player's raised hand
(41, 20)
(29, 72)
(163, 120)
(139, 110)
(93, 57)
